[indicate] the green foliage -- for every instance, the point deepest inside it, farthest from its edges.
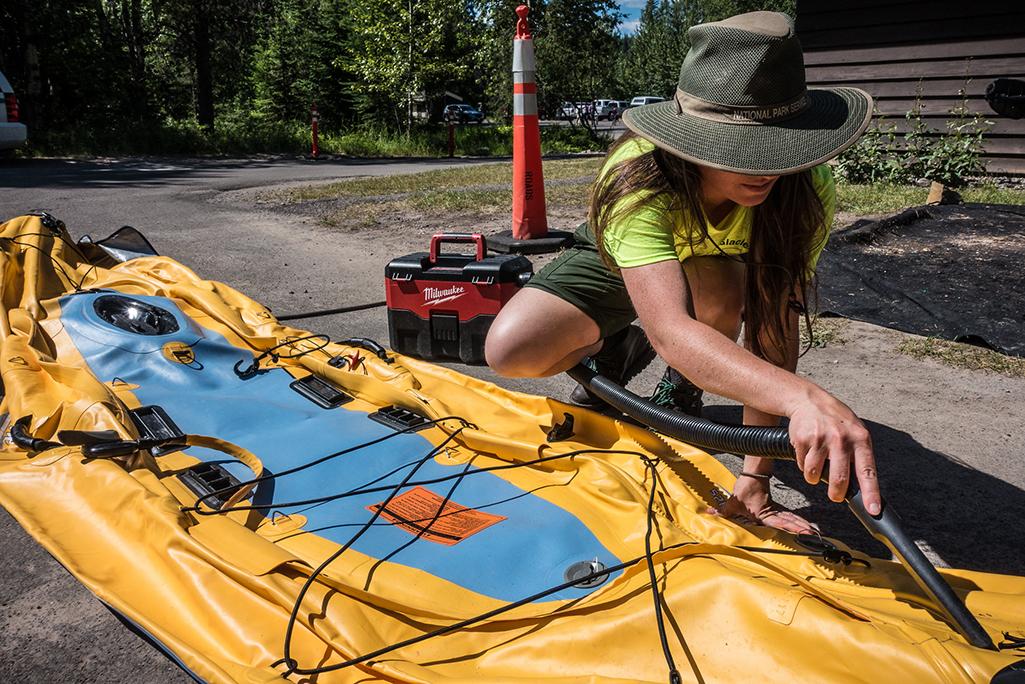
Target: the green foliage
(651, 65)
(577, 47)
(869, 160)
(235, 134)
(406, 50)
(653, 55)
(887, 198)
(957, 156)
(230, 76)
(470, 141)
(296, 64)
(910, 164)
(953, 157)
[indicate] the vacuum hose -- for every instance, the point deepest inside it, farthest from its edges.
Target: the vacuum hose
(775, 443)
(771, 442)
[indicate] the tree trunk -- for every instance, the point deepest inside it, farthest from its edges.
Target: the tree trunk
(139, 57)
(204, 68)
(135, 39)
(31, 100)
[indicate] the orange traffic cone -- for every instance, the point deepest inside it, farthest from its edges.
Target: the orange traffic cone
(530, 234)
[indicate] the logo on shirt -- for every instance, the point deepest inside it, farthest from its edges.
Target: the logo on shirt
(437, 295)
(730, 242)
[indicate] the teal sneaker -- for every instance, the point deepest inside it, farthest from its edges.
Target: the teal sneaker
(678, 393)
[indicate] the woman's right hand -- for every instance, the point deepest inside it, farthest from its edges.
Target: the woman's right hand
(824, 429)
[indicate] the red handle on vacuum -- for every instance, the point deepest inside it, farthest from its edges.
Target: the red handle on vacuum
(457, 237)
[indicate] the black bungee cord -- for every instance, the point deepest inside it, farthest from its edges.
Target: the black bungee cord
(264, 478)
(292, 665)
(294, 615)
(53, 260)
(415, 483)
(407, 481)
(254, 365)
(674, 674)
(441, 631)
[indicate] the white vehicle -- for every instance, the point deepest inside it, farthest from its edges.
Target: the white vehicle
(602, 108)
(567, 111)
(641, 100)
(609, 109)
(12, 132)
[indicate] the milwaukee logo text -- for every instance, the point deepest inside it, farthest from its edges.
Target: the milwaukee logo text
(436, 295)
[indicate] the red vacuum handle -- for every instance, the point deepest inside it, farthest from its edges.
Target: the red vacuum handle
(457, 237)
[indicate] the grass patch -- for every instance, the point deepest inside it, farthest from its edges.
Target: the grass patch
(878, 199)
(882, 198)
(465, 178)
(991, 194)
(235, 134)
(575, 193)
(957, 355)
(482, 188)
(461, 200)
(487, 188)
(827, 331)
(247, 133)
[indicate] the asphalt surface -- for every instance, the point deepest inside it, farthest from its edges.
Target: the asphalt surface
(949, 441)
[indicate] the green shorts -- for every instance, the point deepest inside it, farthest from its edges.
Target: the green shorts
(580, 277)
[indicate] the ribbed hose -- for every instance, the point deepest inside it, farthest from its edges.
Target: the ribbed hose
(754, 441)
(775, 443)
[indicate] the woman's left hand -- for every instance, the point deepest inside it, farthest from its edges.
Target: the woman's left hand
(752, 502)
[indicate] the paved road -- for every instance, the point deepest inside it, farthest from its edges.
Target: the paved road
(951, 440)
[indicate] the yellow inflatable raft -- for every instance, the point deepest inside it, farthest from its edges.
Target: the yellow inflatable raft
(269, 505)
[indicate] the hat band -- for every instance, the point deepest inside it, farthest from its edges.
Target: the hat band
(754, 115)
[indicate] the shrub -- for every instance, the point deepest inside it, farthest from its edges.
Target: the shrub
(869, 160)
(248, 132)
(952, 157)
(957, 156)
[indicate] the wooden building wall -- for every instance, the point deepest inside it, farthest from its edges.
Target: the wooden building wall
(898, 49)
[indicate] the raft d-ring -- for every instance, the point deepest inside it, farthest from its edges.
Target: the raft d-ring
(278, 515)
(179, 352)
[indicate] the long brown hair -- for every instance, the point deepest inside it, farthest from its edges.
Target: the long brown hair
(784, 233)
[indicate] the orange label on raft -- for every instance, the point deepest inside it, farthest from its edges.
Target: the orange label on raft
(424, 513)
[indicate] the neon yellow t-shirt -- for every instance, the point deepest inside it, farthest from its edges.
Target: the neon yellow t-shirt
(655, 232)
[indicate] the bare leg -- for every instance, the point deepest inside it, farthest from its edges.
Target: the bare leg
(715, 292)
(537, 334)
(716, 297)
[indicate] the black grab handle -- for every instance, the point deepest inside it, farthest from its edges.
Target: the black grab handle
(774, 442)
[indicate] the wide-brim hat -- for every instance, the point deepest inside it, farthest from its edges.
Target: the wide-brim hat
(742, 103)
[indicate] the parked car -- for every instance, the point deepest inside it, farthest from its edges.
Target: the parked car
(12, 132)
(609, 109)
(567, 111)
(641, 100)
(462, 113)
(585, 111)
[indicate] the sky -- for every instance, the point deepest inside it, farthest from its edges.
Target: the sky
(631, 10)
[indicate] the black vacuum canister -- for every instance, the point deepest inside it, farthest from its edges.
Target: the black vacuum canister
(440, 306)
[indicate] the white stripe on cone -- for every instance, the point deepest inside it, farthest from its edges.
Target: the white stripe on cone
(523, 56)
(525, 105)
